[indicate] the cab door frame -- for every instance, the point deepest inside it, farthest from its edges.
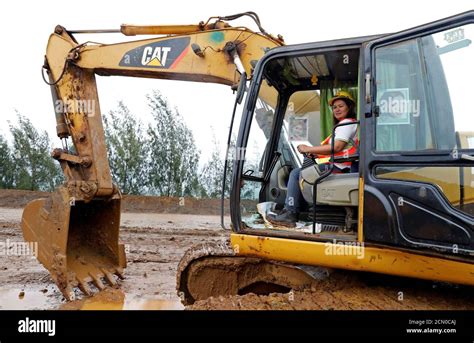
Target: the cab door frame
(244, 130)
(383, 210)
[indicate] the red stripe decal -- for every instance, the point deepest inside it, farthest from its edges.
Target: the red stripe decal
(180, 57)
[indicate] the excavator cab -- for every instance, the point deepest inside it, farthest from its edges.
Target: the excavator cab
(406, 209)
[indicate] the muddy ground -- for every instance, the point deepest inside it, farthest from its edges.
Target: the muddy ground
(155, 244)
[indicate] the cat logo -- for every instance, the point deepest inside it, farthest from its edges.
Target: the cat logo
(155, 57)
(163, 54)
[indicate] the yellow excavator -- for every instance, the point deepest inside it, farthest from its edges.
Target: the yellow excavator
(405, 208)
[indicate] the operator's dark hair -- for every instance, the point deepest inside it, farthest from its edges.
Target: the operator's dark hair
(352, 112)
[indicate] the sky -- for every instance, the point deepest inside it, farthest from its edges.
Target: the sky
(26, 25)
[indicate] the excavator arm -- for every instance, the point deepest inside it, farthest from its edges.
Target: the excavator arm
(204, 56)
(77, 227)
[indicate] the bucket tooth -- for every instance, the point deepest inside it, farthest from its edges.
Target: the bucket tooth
(109, 277)
(119, 272)
(68, 293)
(97, 281)
(84, 287)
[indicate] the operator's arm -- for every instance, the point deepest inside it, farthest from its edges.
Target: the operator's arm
(342, 135)
(322, 149)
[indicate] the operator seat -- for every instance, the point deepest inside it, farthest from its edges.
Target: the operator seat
(336, 189)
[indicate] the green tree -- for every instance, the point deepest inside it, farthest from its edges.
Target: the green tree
(231, 155)
(34, 169)
(212, 173)
(250, 189)
(127, 149)
(6, 165)
(174, 158)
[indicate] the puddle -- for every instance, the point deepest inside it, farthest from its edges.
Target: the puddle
(35, 298)
(153, 304)
(28, 298)
(143, 304)
(115, 299)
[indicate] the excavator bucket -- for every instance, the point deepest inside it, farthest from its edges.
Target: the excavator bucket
(77, 242)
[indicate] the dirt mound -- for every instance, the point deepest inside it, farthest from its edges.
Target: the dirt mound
(13, 198)
(181, 205)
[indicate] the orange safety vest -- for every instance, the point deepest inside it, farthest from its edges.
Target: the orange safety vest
(350, 149)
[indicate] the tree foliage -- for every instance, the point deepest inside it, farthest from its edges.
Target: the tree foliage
(6, 165)
(212, 173)
(174, 158)
(160, 159)
(127, 149)
(33, 167)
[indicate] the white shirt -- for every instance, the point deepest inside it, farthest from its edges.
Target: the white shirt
(346, 133)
